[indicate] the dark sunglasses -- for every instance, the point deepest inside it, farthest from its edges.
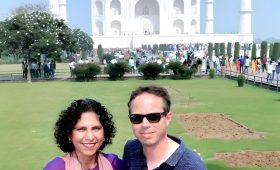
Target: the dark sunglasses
(151, 117)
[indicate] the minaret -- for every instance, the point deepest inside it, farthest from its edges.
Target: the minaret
(59, 9)
(63, 10)
(245, 17)
(209, 20)
(54, 8)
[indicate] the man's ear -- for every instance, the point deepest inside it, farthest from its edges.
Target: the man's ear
(169, 117)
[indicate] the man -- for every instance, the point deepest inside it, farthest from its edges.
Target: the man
(264, 62)
(149, 113)
(131, 64)
(241, 59)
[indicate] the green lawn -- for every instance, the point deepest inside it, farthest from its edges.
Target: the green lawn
(29, 111)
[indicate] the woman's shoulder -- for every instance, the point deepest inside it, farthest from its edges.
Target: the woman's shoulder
(111, 156)
(56, 163)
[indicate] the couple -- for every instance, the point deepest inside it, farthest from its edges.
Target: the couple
(86, 127)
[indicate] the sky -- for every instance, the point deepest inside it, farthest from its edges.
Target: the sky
(265, 16)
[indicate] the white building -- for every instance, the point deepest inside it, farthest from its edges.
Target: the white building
(59, 9)
(131, 23)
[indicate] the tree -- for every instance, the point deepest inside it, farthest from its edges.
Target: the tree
(229, 49)
(155, 48)
(100, 52)
(254, 51)
(84, 43)
(30, 8)
(30, 35)
(222, 49)
(263, 48)
(271, 49)
(236, 50)
(149, 46)
(162, 47)
(210, 50)
(2, 48)
(276, 51)
(217, 49)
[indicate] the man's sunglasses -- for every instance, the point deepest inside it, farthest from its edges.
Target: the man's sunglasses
(151, 117)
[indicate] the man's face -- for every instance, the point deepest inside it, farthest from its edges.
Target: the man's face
(148, 133)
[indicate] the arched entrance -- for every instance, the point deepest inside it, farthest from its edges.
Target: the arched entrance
(147, 15)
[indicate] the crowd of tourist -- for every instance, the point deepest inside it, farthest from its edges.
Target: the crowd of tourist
(37, 69)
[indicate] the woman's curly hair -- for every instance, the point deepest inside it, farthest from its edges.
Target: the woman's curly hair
(68, 119)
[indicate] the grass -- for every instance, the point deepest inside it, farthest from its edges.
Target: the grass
(29, 111)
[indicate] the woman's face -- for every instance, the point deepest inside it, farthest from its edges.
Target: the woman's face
(87, 135)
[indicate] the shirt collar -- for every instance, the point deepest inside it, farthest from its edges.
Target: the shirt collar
(176, 156)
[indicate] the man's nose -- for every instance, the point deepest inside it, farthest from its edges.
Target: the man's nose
(145, 122)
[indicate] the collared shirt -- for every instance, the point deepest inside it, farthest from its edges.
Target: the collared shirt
(182, 159)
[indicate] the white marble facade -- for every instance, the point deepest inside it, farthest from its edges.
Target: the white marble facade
(145, 17)
(131, 23)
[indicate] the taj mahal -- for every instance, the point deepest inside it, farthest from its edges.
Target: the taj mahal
(131, 23)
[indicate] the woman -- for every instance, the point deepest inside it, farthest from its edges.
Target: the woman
(82, 131)
(254, 66)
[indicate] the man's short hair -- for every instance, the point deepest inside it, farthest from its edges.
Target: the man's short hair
(155, 90)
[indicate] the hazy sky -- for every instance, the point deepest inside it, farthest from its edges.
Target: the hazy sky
(265, 16)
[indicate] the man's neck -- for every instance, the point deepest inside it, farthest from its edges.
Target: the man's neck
(159, 153)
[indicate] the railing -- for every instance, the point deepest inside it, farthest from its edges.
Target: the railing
(256, 80)
(17, 75)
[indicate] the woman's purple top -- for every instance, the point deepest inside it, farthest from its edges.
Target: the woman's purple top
(58, 163)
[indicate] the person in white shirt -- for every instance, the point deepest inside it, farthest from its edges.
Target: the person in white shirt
(131, 64)
(114, 60)
(80, 61)
(104, 61)
(247, 64)
(269, 70)
(72, 66)
(159, 61)
(273, 65)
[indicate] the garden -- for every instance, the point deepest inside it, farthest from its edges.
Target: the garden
(230, 127)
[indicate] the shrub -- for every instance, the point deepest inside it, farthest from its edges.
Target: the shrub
(179, 71)
(175, 66)
(186, 72)
(151, 70)
(117, 70)
(86, 71)
(240, 80)
(212, 73)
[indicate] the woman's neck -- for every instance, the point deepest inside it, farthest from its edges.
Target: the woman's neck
(87, 162)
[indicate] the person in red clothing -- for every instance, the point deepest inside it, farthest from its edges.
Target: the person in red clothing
(264, 61)
(237, 65)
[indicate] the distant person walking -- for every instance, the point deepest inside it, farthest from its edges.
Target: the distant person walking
(278, 71)
(24, 66)
(264, 62)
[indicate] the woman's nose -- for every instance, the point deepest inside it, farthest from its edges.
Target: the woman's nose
(89, 135)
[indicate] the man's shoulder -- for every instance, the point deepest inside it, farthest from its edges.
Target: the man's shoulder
(133, 143)
(186, 157)
(191, 158)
